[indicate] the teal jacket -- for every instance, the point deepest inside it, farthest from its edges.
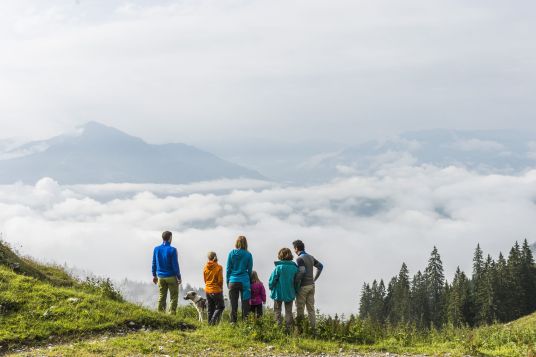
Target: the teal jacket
(283, 283)
(239, 268)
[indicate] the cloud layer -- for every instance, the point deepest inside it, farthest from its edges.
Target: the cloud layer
(360, 227)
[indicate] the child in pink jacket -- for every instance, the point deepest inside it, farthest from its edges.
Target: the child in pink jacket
(258, 294)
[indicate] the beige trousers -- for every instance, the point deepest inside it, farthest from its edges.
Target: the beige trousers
(306, 298)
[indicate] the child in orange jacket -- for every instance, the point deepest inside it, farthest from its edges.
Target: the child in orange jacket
(213, 276)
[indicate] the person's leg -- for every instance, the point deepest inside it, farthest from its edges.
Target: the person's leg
(257, 309)
(211, 306)
(300, 305)
(310, 303)
(245, 304)
(220, 306)
(277, 311)
(289, 319)
(162, 294)
(245, 308)
(173, 287)
(234, 293)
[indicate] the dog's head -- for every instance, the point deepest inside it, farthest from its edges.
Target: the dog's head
(190, 295)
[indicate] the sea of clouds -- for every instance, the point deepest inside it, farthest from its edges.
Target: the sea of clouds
(359, 227)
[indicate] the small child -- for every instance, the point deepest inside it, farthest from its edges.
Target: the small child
(283, 286)
(213, 275)
(258, 294)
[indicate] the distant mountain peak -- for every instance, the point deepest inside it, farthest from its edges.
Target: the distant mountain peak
(98, 153)
(95, 125)
(97, 128)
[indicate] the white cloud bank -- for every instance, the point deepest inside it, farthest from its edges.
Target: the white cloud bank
(359, 227)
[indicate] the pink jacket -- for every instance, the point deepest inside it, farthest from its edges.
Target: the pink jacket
(258, 294)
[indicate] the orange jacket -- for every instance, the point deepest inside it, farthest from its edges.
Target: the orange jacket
(213, 275)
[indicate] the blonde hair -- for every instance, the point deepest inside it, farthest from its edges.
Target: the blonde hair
(284, 254)
(241, 243)
(212, 256)
(255, 277)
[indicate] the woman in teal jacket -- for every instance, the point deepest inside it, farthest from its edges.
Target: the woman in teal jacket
(283, 285)
(239, 268)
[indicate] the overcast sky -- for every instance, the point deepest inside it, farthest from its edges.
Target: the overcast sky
(226, 71)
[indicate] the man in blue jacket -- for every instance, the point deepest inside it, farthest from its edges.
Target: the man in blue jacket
(166, 273)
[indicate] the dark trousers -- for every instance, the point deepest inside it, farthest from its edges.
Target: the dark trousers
(257, 309)
(215, 307)
(235, 291)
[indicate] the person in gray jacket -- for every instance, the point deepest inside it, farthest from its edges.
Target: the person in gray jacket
(306, 293)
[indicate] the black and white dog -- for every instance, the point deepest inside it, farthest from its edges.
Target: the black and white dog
(199, 303)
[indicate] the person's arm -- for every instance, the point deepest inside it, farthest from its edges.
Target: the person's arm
(301, 270)
(263, 294)
(274, 278)
(220, 278)
(175, 262)
(250, 265)
(155, 278)
(297, 282)
(228, 269)
(318, 267)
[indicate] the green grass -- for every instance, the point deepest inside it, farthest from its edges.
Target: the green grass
(263, 337)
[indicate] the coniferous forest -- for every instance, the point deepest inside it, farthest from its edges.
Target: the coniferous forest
(498, 290)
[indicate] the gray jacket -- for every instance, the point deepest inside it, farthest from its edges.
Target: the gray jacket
(305, 275)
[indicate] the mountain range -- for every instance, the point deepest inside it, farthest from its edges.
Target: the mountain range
(96, 153)
(483, 151)
(497, 151)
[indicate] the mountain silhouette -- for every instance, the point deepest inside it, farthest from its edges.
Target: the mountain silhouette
(102, 154)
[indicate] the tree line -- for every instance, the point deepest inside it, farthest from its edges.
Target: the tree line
(499, 290)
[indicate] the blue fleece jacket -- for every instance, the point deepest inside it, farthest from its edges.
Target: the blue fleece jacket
(239, 268)
(165, 261)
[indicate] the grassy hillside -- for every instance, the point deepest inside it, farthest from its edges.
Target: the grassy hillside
(39, 302)
(46, 273)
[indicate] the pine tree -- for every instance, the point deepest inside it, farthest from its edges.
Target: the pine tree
(502, 289)
(486, 294)
(478, 267)
(445, 303)
(528, 281)
(401, 297)
(460, 308)
(435, 282)
(478, 262)
(419, 301)
(365, 302)
(390, 316)
(516, 293)
(377, 308)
